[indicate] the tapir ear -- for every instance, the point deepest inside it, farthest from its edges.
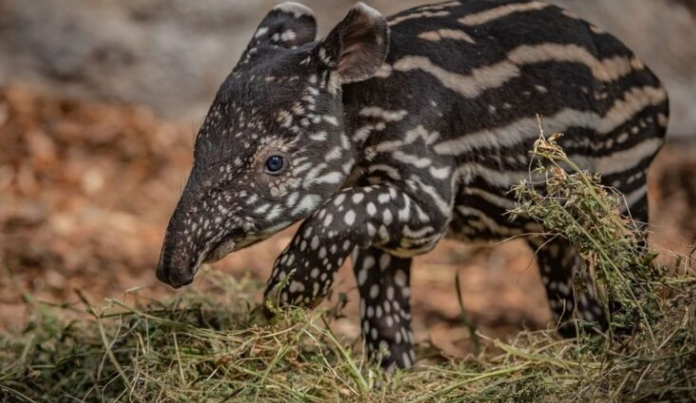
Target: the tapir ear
(287, 25)
(357, 47)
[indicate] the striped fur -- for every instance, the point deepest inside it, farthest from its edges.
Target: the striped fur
(400, 132)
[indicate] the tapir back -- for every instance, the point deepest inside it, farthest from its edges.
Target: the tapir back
(470, 77)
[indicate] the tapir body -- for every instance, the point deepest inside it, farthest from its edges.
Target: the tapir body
(392, 134)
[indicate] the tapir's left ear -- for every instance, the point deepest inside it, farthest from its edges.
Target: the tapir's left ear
(287, 25)
(356, 48)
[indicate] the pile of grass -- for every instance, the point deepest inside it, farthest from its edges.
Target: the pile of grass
(214, 348)
(575, 205)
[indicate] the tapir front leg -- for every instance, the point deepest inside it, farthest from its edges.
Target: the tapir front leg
(385, 306)
(379, 215)
(401, 222)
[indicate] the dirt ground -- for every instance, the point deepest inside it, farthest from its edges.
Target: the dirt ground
(86, 191)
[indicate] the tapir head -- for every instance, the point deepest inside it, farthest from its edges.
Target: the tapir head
(273, 146)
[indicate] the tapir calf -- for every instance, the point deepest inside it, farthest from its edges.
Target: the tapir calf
(391, 134)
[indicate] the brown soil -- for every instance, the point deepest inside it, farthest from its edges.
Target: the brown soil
(86, 191)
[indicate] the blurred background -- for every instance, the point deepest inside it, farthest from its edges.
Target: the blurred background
(100, 101)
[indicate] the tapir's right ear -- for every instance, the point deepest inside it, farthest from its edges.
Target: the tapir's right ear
(287, 25)
(357, 47)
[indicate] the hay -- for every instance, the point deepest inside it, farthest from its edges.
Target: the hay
(215, 348)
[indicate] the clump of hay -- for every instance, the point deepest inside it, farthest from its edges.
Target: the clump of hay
(205, 348)
(575, 205)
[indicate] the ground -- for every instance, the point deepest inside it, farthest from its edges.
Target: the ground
(86, 191)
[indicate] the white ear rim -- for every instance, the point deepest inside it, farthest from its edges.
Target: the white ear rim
(368, 10)
(296, 9)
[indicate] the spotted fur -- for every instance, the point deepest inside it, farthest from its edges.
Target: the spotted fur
(396, 133)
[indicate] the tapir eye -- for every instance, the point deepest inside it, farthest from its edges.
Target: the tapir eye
(275, 163)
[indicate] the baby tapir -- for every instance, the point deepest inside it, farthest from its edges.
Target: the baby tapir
(391, 134)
